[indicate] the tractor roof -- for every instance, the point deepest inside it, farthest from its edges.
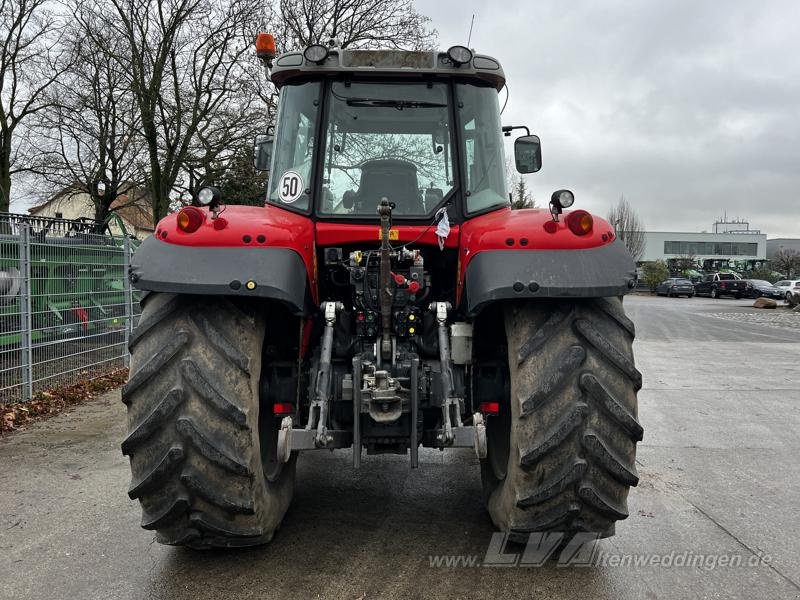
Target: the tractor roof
(386, 63)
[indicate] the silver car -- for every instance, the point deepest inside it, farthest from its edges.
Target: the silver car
(788, 286)
(675, 286)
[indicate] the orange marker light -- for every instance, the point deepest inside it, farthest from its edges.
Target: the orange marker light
(580, 222)
(190, 219)
(265, 46)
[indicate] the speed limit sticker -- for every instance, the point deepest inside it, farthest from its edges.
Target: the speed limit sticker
(290, 187)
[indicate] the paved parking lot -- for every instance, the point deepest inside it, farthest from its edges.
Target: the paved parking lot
(720, 479)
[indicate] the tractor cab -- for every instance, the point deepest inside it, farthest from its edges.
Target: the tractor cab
(421, 129)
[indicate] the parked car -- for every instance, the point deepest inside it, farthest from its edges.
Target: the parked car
(793, 299)
(716, 285)
(675, 286)
(787, 286)
(756, 288)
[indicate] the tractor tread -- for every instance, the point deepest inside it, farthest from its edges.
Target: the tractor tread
(160, 470)
(155, 316)
(207, 523)
(544, 333)
(166, 516)
(590, 384)
(153, 421)
(547, 521)
(557, 434)
(205, 489)
(554, 379)
(194, 434)
(211, 394)
(590, 333)
(573, 426)
(616, 313)
(182, 537)
(602, 502)
(211, 450)
(221, 342)
(609, 460)
(553, 486)
(154, 365)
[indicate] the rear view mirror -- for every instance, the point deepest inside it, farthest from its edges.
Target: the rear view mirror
(262, 152)
(528, 154)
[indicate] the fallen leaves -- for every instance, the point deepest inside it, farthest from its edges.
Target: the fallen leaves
(48, 403)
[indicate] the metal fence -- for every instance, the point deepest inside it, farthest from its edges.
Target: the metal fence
(66, 304)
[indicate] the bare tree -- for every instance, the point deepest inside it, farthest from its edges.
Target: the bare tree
(685, 262)
(30, 61)
(786, 261)
(218, 142)
(629, 227)
(89, 129)
(183, 58)
(354, 24)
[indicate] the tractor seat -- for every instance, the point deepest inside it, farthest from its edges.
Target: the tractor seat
(391, 178)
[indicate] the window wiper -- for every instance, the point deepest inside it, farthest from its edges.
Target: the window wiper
(398, 104)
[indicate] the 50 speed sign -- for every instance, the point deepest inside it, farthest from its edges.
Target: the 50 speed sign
(290, 187)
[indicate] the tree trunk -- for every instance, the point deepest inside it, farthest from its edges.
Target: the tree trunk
(5, 173)
(159, 197)
(101, 210)
(5, 190)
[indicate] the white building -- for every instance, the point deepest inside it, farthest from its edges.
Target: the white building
(72, 203)
(709, 250)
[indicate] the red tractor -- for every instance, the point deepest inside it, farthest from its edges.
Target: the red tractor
(386, 297)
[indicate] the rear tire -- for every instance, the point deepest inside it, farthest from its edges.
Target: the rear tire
(195, 430)
(714, 293)
(571, 425)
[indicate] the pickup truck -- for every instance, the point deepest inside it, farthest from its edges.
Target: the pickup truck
(721, 284)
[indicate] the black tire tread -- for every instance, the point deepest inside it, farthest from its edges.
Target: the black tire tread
(148, 426)
(154, 365)
(574, 427)
(193, 414)
(211, 449)
(152, 319)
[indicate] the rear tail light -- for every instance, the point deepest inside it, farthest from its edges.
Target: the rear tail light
(190, 219)
(489, 408)
(283, 408)
(580, 222)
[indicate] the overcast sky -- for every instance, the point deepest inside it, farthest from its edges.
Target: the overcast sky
(688, 108)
